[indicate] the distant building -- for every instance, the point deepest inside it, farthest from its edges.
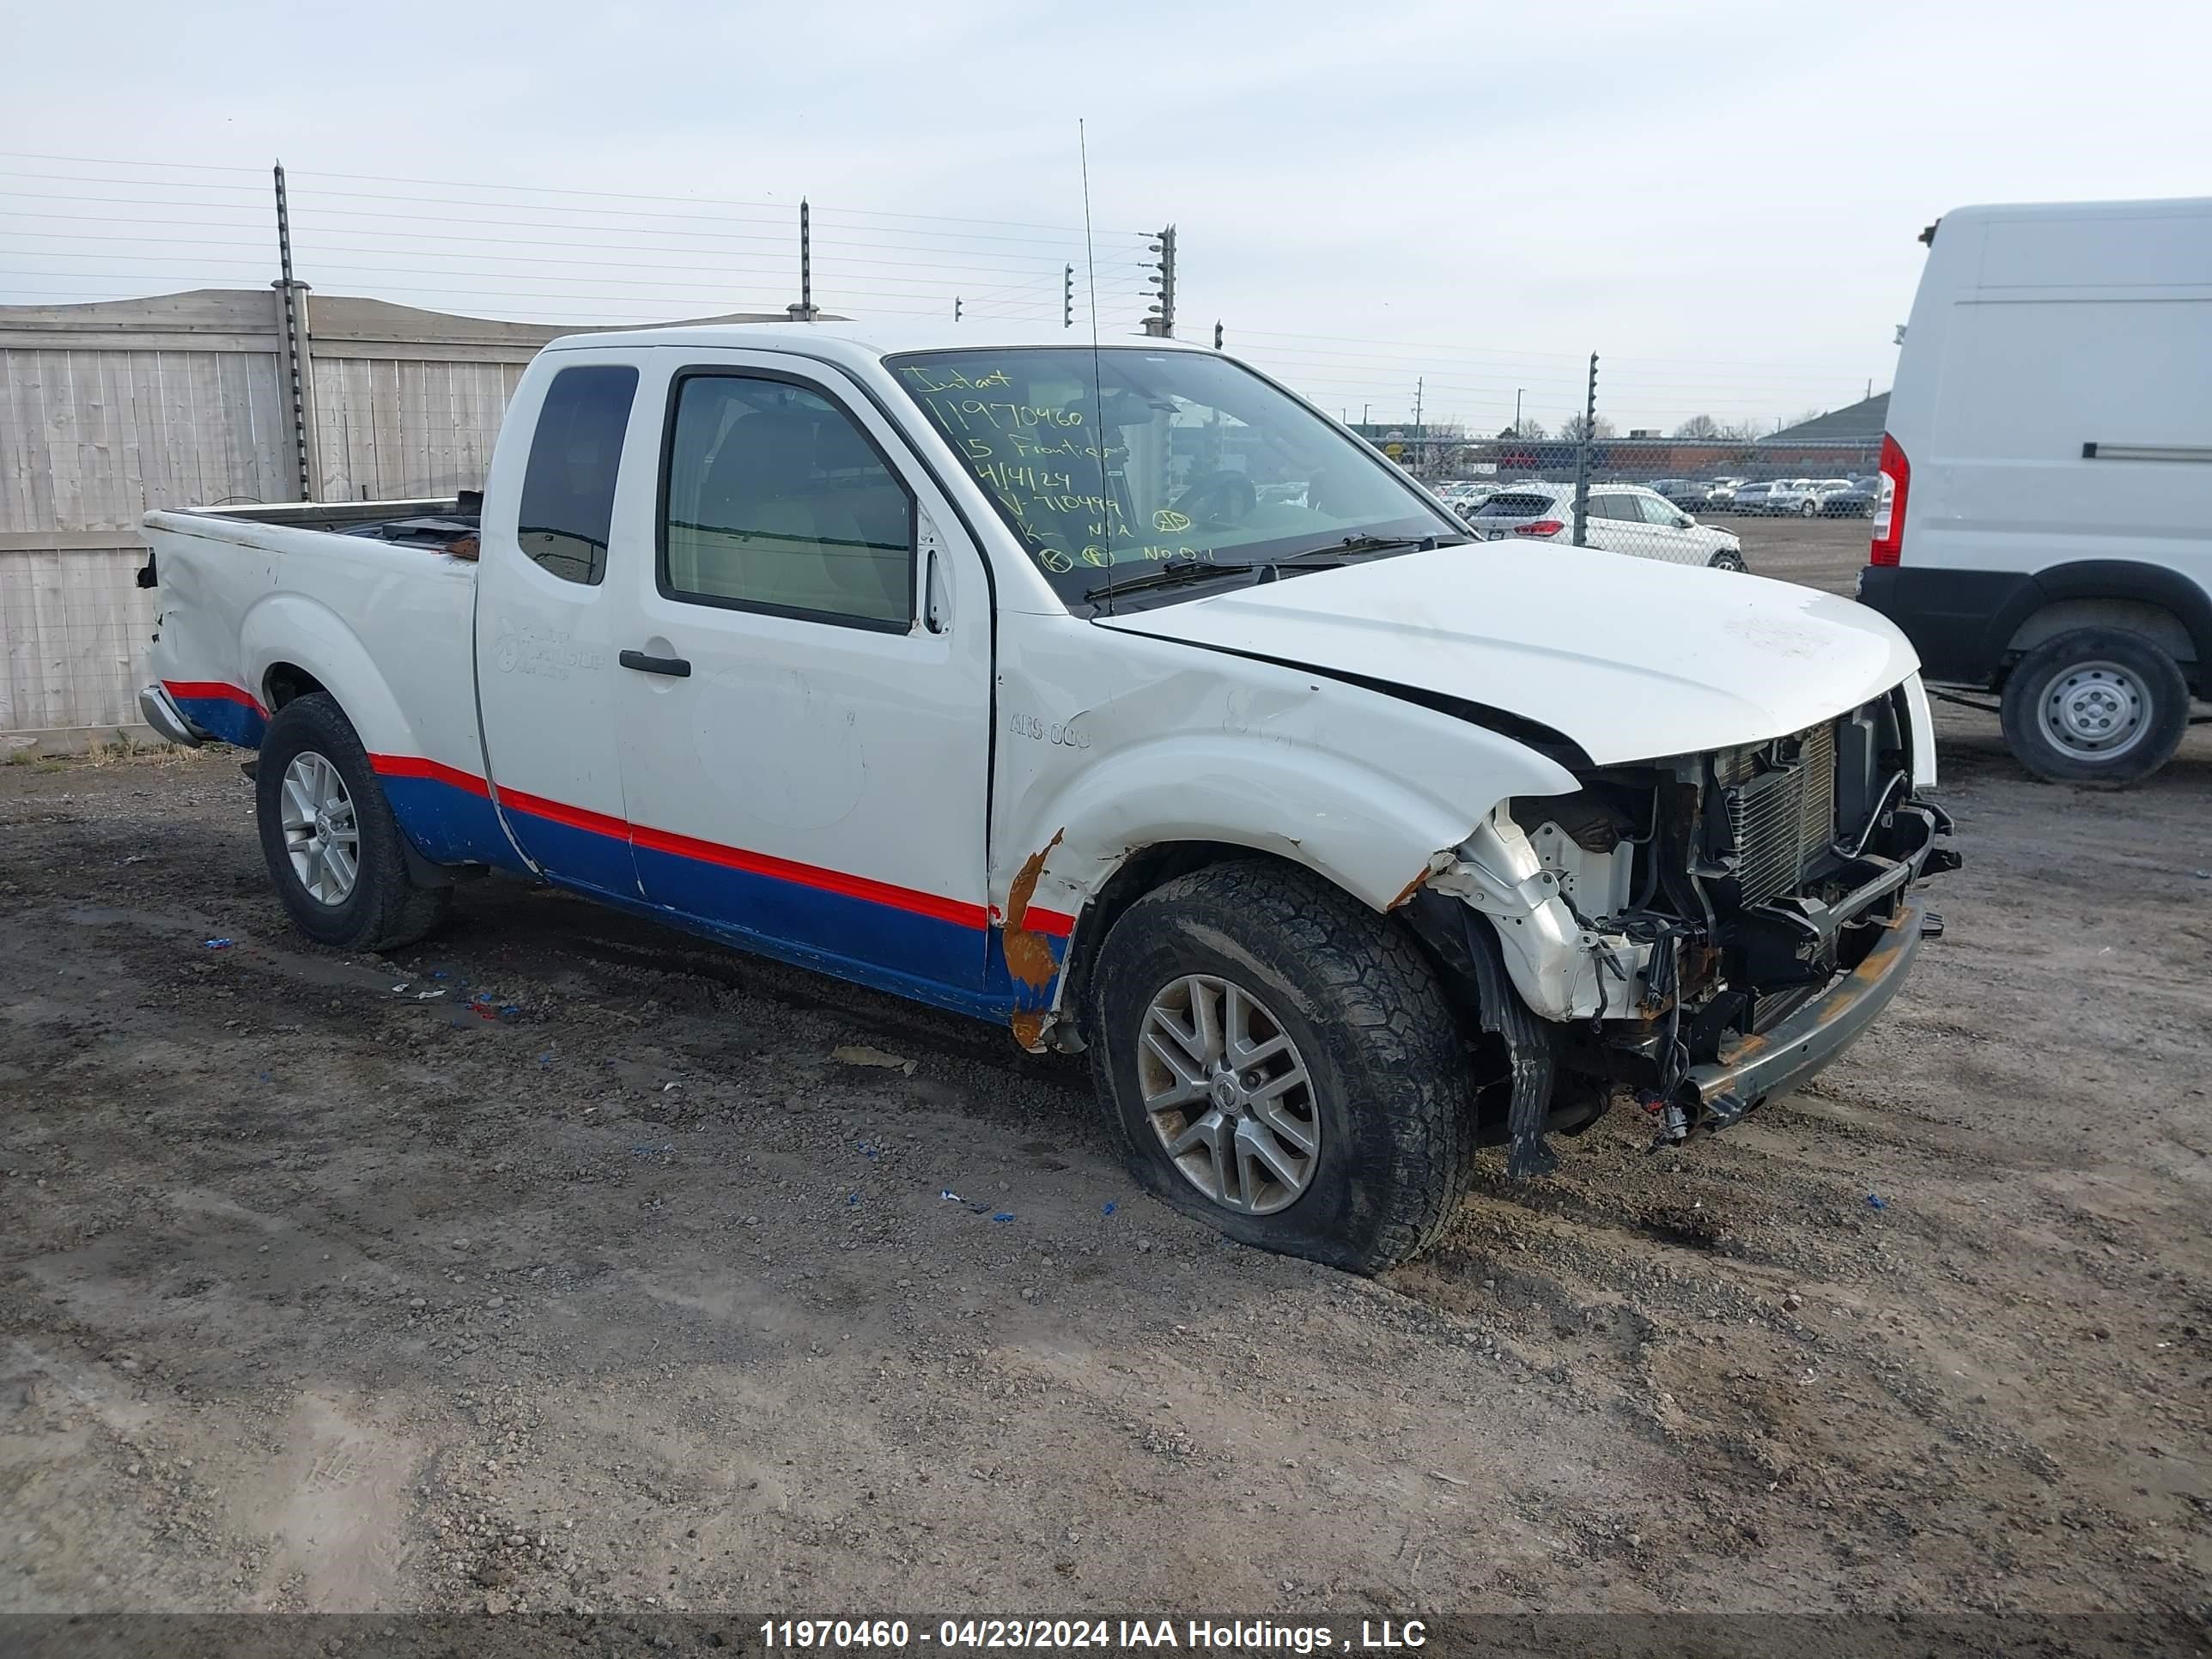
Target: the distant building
(1855, 423)
(1844, 440)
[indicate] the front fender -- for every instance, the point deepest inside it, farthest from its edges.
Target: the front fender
(1113, 743)
(1369, 832)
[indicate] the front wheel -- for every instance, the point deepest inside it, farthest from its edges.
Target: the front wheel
(1281, 1063)
(333, 847)
(1808, 509)
(2097, 705)
(1728, 558)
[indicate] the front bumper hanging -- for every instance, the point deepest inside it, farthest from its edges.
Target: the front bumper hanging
(1749, 1068)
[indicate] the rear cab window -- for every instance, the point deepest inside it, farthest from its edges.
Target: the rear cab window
(575, 453)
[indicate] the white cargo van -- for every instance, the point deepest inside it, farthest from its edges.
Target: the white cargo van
(2046, 528)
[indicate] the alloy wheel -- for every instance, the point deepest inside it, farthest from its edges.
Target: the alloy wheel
(1229, 1095)
(320, 831)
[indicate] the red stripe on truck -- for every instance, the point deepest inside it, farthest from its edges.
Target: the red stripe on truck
(415, 766)
(215, 689)
(956, 911)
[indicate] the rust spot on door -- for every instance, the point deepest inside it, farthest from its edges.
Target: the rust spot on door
(1028, 1029)
(1028, 956)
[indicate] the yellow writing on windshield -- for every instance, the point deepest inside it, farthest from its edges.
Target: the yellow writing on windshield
(952, 380)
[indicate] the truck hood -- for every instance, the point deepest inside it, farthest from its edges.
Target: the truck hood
(1630, 658)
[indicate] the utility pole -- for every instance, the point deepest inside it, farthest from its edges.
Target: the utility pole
(1418, 385)
(955, 307)
(1217, 334)
(1067, 296)
(1517, 409)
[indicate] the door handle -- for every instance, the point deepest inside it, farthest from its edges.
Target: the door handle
(674, 668)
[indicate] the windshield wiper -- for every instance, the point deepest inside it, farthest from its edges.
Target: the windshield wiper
(1175, 574)
(1375, 545)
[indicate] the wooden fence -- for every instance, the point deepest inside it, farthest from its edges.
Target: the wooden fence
(110, 410)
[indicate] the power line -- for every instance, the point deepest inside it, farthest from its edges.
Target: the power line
(538, 190)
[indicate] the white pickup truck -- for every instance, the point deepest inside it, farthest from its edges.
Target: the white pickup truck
(1112, 694)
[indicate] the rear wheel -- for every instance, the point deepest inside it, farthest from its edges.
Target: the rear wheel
(327, 833)
(1281, 1063)
(2097, 705)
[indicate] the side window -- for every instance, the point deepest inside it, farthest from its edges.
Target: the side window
(568, 487)
(1657, 511)
(1607, 507)
(775, 501)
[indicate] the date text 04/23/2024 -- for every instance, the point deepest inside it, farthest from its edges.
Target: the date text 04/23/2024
(1246, 1635)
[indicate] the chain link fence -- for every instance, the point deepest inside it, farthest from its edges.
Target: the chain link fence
(1698, 496)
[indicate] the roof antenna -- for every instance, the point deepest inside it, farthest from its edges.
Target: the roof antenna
(1097, 377)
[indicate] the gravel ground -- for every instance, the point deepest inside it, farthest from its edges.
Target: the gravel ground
(642, 1291)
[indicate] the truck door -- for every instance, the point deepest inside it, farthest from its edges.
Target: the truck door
(549, 587)
(806, 692)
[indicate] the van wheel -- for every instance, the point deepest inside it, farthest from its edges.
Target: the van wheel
(1281, 1063)
(2099, 705)
(327, 832)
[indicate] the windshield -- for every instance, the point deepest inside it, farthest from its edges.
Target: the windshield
(1202, 460)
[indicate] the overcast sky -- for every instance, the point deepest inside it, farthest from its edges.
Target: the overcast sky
(1721, 198)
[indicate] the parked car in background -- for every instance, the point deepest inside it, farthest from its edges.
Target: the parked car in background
(1799, 495)
(1841, 498)
(1752, 499)
(1720, 493)
(1686, 493)
(1623, 518)
(1462, 495)
(2045, 527)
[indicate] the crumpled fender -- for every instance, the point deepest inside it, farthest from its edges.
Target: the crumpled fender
(1552, 960)
(1180, 743)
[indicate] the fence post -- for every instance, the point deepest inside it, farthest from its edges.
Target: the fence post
(1160, 321)
(1583, 458)
(804, 312)
(298, 351)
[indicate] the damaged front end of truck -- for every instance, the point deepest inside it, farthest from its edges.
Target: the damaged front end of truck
(1706, 929)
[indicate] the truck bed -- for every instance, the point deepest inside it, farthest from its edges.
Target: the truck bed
(378, 592)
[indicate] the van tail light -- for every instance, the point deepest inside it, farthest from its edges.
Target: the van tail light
(1540, 527)
(1889, 510)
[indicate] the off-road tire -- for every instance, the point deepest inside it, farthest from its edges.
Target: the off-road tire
(385, 909)
(2164, 719)
(1390, 1080)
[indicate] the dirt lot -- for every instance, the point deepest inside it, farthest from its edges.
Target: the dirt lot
(317, 1296)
